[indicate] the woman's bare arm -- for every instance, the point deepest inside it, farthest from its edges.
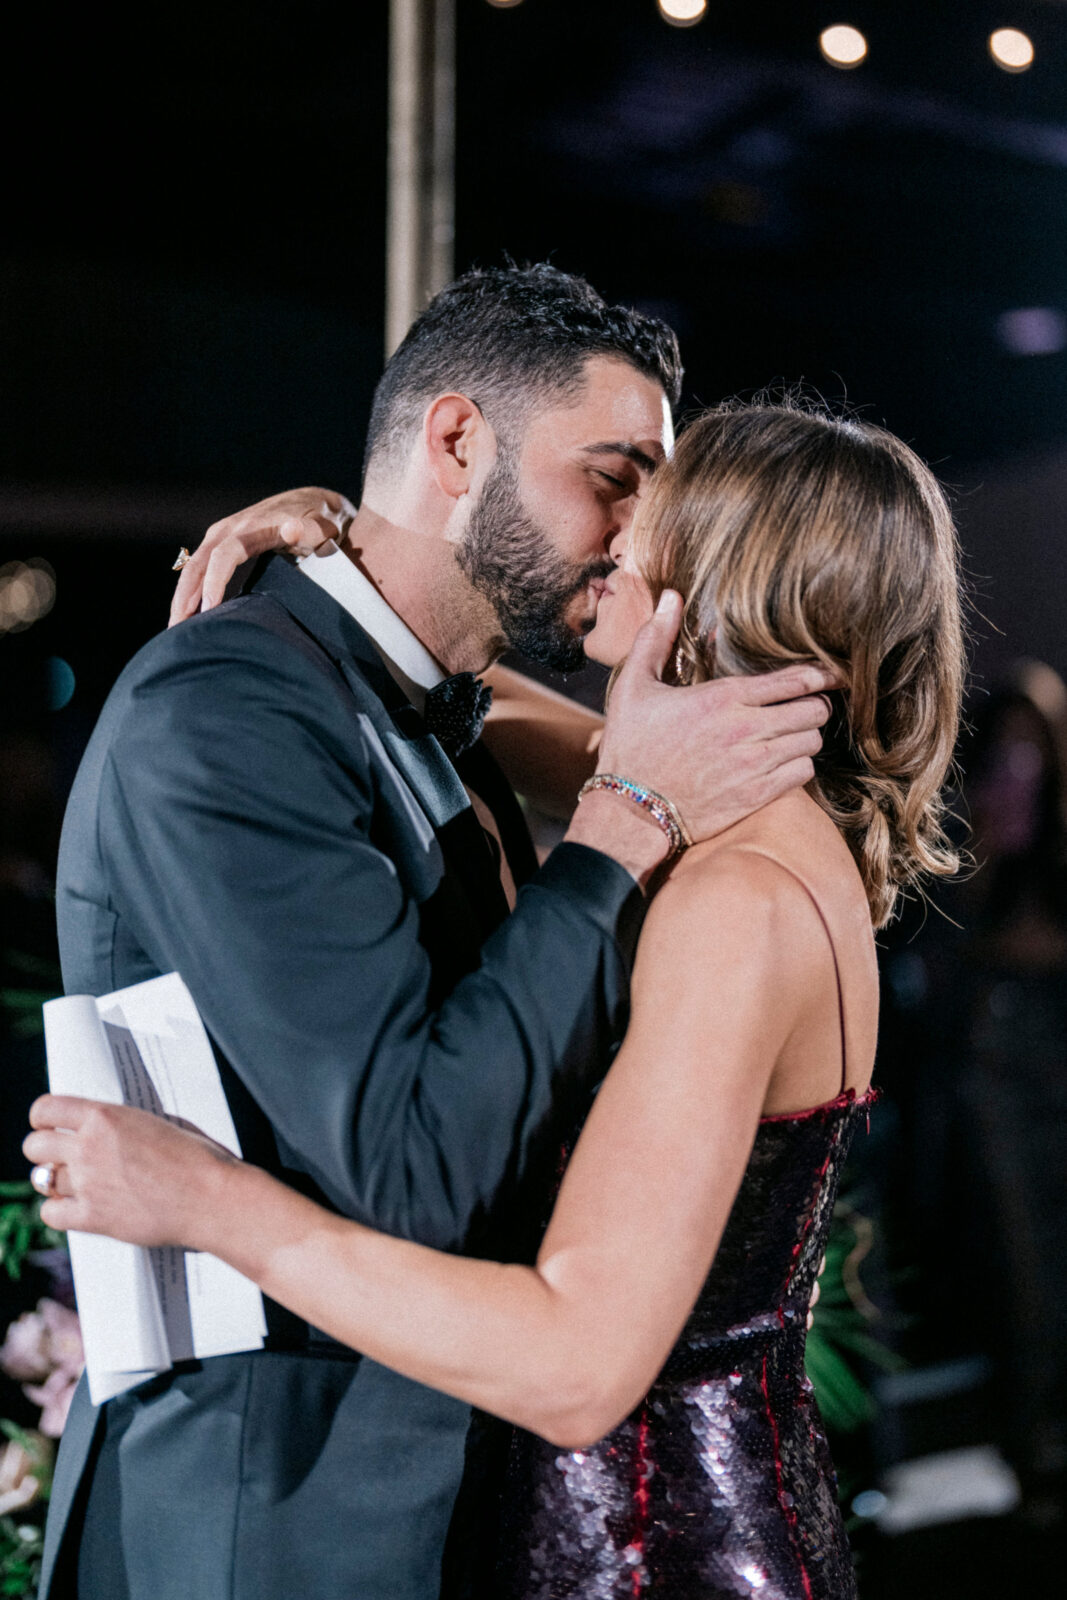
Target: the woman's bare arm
(298, 520)
(546, 744)
(568, 1347)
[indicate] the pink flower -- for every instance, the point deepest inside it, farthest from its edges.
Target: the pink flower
(19, 1468)
(24, 1354)
(64, 1337)
(54, 1397)
(43, 1349)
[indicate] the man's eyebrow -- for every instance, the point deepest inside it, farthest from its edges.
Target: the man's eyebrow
(621, 447)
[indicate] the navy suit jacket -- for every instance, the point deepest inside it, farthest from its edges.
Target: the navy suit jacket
(262, 810)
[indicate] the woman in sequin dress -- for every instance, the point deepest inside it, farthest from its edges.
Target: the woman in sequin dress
(652, 1361)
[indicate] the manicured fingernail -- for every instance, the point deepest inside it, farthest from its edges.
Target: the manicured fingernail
(667, 601)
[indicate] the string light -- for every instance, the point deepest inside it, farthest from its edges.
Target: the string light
(842, 45)
(682, 13)
(1011, 50)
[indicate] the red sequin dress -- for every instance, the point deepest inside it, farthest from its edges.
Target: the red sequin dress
(720, 1485)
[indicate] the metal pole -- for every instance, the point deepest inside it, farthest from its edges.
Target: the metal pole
(420, 214)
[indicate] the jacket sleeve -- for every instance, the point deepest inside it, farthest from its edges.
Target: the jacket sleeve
(235, 822)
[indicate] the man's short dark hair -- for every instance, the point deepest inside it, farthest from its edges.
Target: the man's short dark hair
(512, 339)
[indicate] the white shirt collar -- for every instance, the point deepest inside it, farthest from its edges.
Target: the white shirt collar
(404, 656)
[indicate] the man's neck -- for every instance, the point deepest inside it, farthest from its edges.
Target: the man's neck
(418, 576)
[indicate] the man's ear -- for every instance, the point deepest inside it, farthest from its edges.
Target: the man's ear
(457, 439)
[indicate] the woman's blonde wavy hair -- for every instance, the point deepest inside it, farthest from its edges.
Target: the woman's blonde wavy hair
(794, 535)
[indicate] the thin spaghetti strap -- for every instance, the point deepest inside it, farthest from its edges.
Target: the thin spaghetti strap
(833, 956)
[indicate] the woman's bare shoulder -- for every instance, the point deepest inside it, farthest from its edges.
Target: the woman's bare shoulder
(796, 839)
(730, 897)
(764, 887)
(765, 935)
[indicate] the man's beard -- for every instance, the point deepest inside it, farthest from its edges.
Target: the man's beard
(510, 559)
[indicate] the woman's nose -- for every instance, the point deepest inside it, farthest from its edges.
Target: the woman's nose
(619, 542)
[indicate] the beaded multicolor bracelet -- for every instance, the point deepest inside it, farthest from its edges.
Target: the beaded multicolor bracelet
(659, 808)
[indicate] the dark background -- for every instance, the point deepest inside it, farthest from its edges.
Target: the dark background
(193, 263)
(191, 316)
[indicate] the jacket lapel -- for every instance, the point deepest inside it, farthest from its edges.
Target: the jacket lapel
(428, 772)
(415, 753)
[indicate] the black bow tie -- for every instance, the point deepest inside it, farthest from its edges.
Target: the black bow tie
(455, 711)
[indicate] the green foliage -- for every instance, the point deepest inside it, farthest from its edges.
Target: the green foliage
(21, 1547)
(22, 1535)
(844, 1402)
(845, 1333)
(36, 979)
(21, 1228)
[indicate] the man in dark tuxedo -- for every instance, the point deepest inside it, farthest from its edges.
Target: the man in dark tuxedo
(284, 801)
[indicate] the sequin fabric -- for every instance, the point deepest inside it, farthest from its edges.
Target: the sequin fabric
(720, 1485)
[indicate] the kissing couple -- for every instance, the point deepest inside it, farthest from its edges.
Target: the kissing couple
(659, 1042)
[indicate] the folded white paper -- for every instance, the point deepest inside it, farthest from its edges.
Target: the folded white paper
(142, 1310)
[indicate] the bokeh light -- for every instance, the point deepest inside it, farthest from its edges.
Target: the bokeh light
(682, 13)
(1033, 330)
(59, 681)
(842, 45)
(1011, 50)
(27, 593)
(869, 1502)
